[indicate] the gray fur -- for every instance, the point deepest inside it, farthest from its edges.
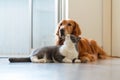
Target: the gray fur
(51, 52)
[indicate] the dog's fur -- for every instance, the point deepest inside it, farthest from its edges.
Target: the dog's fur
(89, 50)
(66, 53)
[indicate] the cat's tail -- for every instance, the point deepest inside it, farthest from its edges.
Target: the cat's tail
(22, 59)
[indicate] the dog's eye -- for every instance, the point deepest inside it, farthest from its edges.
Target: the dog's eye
(60, 24)
(69, 24)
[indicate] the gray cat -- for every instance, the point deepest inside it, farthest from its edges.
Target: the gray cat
(66, 53)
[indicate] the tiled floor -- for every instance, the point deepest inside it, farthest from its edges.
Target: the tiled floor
(100, 70)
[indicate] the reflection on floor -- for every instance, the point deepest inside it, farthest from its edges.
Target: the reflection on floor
(100, 70)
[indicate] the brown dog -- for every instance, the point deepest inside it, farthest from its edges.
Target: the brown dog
(88, 49)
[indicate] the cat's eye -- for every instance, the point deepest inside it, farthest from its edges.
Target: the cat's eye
(69, 24)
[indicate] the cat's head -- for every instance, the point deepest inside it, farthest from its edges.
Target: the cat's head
(71, 39)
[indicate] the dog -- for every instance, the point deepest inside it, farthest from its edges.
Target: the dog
(89, 50)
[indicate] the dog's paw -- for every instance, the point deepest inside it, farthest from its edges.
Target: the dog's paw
(102, 56)
(84, 59)
(93, 58)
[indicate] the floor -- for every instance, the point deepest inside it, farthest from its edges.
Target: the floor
(100, 70)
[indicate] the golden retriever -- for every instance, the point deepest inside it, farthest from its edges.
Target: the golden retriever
(89, 50)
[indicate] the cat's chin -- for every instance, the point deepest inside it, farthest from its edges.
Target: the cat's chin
(62, 37)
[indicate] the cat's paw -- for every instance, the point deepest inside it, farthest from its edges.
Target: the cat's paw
(67, 60)
(77, 61)
(42, 61)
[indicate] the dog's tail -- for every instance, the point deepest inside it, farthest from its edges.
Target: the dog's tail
(26, 59)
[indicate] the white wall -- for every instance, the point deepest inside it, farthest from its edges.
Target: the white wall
(88, 13)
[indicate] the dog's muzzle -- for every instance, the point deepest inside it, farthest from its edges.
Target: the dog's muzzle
(62, 33)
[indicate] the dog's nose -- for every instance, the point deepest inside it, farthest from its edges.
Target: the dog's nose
(62, 31)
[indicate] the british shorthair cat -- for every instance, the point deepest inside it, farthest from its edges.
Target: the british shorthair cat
(66, 53)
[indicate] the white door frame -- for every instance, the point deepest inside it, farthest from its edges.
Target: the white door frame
(107, 26)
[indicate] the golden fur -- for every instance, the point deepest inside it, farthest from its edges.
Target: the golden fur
(89, 50)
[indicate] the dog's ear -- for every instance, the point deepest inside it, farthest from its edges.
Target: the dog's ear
(57, 30)
(57, 35)
(76, 30)
(58, 27)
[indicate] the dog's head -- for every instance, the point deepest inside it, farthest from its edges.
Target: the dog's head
(68, 27)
